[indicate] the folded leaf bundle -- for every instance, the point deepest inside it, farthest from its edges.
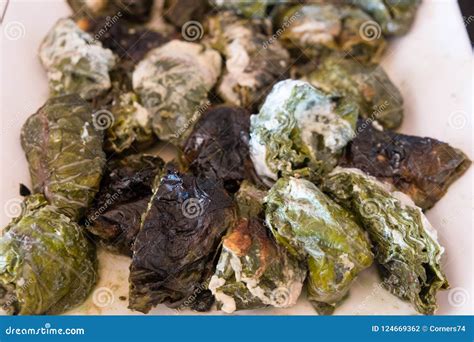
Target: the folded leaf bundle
(422, 168)
(405, 244)
(75, 62)
(47, 264)
(300, 130)
(115, 216)
(253, 62)
(218, 146)
(130, 125)
(254, 272)
(173, 254)
(63, 146)
(320, 233)
(173, 82)
(317, 30)
(368, 85)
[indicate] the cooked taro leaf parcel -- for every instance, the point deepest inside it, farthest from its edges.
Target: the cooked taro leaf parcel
(48, 265)
(405, 244)
(263, 205)
(174, 250)
(320, 233)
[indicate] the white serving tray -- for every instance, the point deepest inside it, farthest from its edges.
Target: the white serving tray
(432, 66)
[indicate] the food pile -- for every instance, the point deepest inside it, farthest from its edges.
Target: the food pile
(290, 176)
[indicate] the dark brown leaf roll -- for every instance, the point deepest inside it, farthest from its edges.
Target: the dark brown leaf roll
(174, 252)
(133, 10)
(115, 215)
(218, 146)
(423, 168)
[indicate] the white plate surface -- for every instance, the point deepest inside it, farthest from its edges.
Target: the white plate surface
(432, 66)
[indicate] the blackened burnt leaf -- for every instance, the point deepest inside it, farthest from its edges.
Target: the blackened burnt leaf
(125, 191)
(130, 42)
(133, 10)
(48, 265)
(174, 250)
(218, 146)
(64, 151)
(423, 168)
(179, 12)
(404, 242)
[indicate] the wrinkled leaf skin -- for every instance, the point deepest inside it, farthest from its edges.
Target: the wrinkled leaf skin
(319, 30)
(252, 64)
(115, 216)
(367, 85)
(174, 251)
(319, 232)
(404, 244)
(48, 265)
(422, 168)
(394, 17)
(173, 82)
(64, 152)
(254, 272)
(75, 62)
(128, 41)
(300, 131)
(218, 146)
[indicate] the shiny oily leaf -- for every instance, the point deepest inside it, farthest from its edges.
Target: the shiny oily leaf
(319, 232)
(172, 82)
(218, 146)
(422, 168)
(253, 62)
(75, 62)
(48, 265)
(63, 147)
(299, 130)
(394, 16)
(316, 30)
(173, 254)
(125, 191)
(367, 85)
(253, 271)
(405, 244)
